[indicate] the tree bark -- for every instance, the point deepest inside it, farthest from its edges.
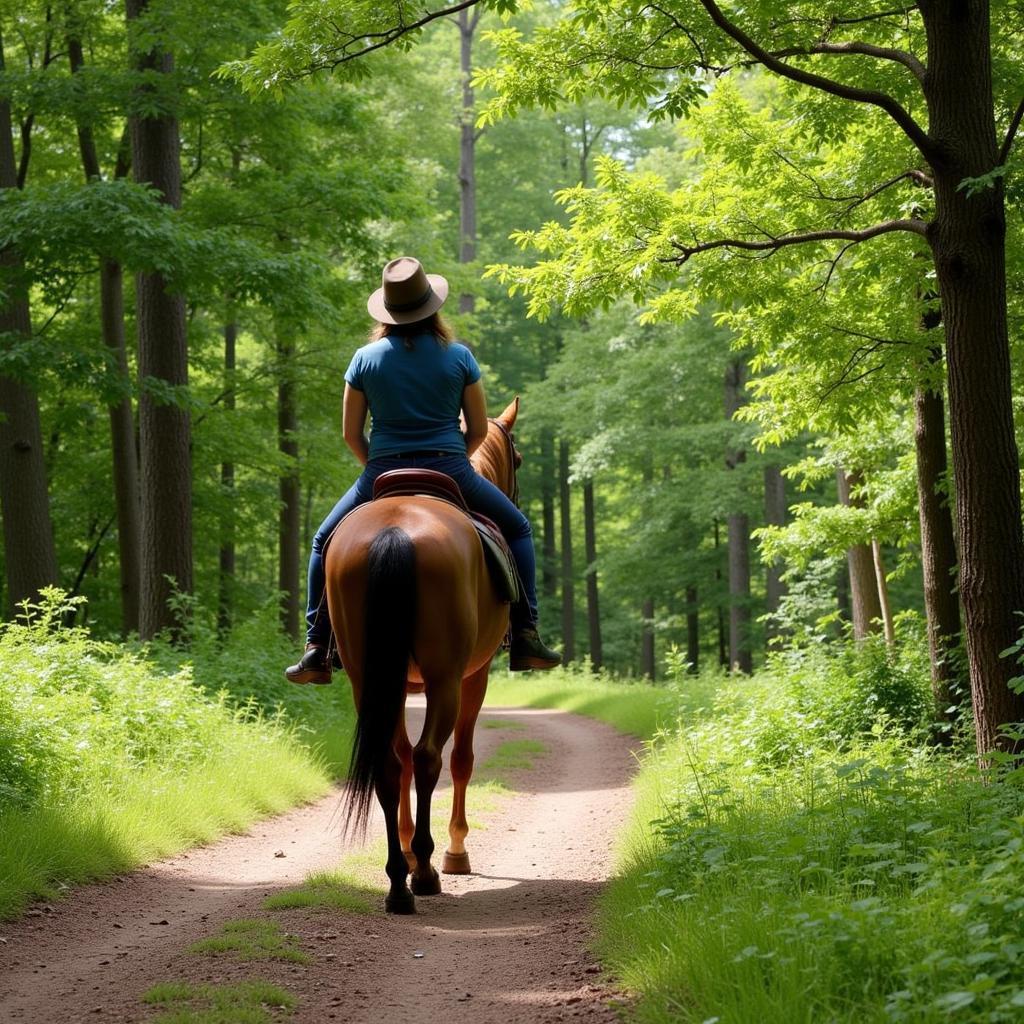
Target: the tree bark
(164, 426)
(590, 552)
(775, 515)
(938, 548)
(290, 512)
(568, 584)
(865, 608)
(883, 592)
(467, 22)
(723, 653)
(122, 418)
(226, 554)
(740, 654)
(967, 238)
(549, 572)
(30, 558)
(692, 630)
(647, 654)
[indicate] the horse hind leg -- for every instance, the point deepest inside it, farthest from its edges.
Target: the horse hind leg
(456, 859)
(399, 899)
(442, 710)
(403, 748)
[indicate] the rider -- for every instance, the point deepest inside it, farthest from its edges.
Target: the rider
(414, 381)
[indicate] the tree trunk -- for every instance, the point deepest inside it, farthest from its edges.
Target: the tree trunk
(865, 608)
(568, 584)
(723, 653)
(290, 509)
(226, 560)
(549, 571)
(590, 546)
(775, 515)
(164, 426)
(938, 549)
(692, 630)
(740, 655)
(647, 654)
(967, 238)
(122, 418)
(467, 152)
(883, 592)
(30, 558)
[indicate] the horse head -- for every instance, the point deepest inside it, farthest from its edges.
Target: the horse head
(497, 458)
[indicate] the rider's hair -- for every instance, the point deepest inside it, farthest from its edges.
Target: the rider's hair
(433, 324)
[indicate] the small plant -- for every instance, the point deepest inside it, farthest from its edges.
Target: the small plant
(252, 940)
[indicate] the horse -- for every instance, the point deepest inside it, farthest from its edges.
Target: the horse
(413, 607)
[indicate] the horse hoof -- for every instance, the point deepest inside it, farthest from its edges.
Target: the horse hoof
(401, 902)
(429, 886)
(456, 864)
(410, 859)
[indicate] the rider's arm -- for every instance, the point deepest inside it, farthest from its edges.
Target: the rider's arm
(353, 422)
(474, 412)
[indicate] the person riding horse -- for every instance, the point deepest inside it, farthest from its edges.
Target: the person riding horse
(415, 381)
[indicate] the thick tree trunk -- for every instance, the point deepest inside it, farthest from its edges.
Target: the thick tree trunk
(548, 566)
(723, 652)
(123, 450)
(740, 654)
(647, 662)
(775, 515)
(164, 427)
(590, 551)
(467, 152)
(226, 559)
(967, 238)
(290, 512)
(865, 608)
(938, 548)
(568, 584)
(30, 558)
(692, 630)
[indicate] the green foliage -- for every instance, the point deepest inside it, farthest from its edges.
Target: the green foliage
(106, 760)
(804, 868)
(247, 1002)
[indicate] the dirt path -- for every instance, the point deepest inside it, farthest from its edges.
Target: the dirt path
(507, 944)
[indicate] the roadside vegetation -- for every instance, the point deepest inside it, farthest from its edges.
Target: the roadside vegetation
(111, 757)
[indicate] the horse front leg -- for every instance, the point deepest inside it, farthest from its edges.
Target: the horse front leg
(474, 688)
(442, 710)
(405, 825)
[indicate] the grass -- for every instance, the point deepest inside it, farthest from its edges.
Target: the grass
(343, 889)
(252, 939)
(249, 1002)
(108, 760)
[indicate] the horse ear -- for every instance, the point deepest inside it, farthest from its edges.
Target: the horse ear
(508, 417)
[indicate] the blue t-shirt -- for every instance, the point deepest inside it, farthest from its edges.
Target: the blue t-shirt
(414, 395)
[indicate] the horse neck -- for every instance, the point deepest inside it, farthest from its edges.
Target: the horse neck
(491, 459)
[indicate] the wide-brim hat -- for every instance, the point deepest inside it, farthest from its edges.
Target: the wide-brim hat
(406, 294)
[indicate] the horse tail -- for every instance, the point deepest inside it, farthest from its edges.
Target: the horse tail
(390, 628)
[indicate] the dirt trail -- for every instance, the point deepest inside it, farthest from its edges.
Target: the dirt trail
(507, 944)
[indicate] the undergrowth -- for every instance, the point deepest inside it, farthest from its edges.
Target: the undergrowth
(813, 858)
(108, 760)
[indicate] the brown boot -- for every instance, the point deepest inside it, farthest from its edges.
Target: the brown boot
(313, 667)
(528, 651)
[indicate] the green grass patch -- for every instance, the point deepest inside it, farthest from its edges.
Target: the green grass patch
(635, 708)
(248, 1002)
(510, 756)
(252, 939)
(497, 723)
(800, 854)
(108, 761)
(346, 889)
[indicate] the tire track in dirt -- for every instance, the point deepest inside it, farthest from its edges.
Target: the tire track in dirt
(507, 944)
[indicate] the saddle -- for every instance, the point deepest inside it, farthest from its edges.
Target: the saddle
(431, 484)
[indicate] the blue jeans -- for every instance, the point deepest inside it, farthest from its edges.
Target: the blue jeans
(481, 496)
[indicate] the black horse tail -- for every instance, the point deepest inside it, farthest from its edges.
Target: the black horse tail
(390, 627)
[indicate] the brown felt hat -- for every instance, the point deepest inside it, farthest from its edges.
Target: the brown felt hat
(406, 294)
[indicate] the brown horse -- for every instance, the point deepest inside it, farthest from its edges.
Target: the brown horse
(413, 606)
